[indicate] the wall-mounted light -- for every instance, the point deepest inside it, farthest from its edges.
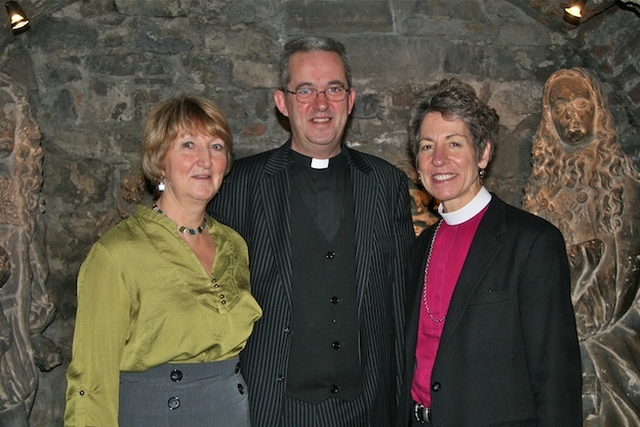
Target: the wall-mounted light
(17, 17)
(573, 13)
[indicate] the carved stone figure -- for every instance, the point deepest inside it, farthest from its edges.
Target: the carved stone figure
(583, 183)
(422, 206)
(26, 309)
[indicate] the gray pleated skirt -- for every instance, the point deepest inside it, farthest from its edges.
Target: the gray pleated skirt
(186, 395)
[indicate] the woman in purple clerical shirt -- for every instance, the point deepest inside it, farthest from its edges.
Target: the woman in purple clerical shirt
(491, 336)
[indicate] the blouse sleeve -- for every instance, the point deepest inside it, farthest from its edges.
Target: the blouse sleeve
(102, 321)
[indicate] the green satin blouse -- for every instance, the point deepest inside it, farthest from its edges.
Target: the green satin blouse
(144, 299)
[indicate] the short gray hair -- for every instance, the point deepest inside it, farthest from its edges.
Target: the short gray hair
(310, 44)
(455, 99)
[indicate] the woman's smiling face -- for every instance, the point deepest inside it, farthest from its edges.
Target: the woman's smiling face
(447, 161)
(194, 166)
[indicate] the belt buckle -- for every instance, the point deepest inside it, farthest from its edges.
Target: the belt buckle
(421, 413)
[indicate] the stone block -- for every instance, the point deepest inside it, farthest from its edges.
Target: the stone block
(57, 37)
(485, 61)
(157, 8)
(164, 37)
(252, 74)
(393, 59)
(342, 16)
(522, 34)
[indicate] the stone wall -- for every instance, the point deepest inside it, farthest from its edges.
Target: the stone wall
(93, 69)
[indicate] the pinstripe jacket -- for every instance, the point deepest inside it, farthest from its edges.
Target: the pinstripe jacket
(254, 200)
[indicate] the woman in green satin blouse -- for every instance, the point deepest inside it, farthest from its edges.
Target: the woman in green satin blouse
(164, 305)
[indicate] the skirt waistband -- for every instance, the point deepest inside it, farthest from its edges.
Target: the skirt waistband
(184, 372)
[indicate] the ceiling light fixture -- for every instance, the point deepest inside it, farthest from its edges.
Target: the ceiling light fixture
(573, 13)
(19, 20)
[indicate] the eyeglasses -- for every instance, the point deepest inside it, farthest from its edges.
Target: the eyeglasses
(307, 95)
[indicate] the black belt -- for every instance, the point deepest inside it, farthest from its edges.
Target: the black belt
(421, 413)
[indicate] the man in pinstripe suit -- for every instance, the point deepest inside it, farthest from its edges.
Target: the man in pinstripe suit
(328, 230)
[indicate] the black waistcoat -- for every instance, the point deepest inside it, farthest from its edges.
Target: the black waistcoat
(324, 359)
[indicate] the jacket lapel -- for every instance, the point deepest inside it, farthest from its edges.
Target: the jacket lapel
(364, 194)
(275, 195)
(482, 254)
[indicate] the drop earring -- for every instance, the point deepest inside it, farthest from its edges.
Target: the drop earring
(482, 173)
(161, 186)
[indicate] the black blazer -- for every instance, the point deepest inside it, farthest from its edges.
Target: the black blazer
(254, 200)
(509, 352)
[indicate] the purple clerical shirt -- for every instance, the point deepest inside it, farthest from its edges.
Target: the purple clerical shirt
(448, 254)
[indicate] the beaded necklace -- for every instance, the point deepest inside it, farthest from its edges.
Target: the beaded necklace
(181, 228)
(425, 298)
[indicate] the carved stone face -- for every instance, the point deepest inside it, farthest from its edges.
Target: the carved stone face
(572, 110)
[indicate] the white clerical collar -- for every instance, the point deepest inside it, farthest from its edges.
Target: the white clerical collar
(468, 211)
(319, 163)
